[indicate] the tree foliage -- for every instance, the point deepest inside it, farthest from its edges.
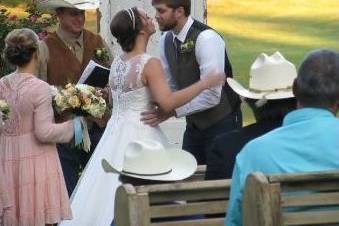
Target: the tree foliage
(35, 20)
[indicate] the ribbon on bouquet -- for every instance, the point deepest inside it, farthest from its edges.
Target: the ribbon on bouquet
(85, 135)
(81, 135)
(2, 123)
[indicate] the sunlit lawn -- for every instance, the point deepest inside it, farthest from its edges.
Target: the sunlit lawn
(292, 27)
(250, 27)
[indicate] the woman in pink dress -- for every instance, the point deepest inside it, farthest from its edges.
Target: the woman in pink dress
(28, 155)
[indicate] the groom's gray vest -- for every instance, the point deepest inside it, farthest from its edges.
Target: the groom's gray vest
(185, 71)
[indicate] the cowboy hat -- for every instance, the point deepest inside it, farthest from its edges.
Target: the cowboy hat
(76, 4)
(271, 77)
(148, 159)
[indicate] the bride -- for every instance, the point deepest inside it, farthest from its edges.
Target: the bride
(137, 81)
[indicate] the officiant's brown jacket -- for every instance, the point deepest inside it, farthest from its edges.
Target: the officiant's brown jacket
(63, 58)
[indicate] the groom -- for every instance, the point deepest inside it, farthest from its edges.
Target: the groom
(189, 51)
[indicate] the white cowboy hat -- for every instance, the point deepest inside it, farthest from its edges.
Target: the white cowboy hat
(271, 77)
(76, 4)
(148, 159)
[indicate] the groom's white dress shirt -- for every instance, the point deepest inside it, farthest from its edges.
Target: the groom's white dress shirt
(210, 55)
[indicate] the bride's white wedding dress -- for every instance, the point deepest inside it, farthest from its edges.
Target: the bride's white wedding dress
(92, 201)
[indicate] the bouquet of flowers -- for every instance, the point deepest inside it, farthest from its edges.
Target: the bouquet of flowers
(4, 112)
(80, 99)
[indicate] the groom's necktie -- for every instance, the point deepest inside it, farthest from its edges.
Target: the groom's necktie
(177, 44)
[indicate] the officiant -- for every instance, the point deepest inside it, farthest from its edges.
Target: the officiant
(64, 55)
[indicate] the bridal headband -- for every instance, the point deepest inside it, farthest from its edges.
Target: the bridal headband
(131, 16)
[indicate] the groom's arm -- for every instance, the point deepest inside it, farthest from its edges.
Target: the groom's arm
(155, 116)
(210, 55)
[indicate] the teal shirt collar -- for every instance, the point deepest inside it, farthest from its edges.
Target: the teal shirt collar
(304, 114)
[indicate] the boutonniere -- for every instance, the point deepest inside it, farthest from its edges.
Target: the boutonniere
(187, 46)
(101, 55)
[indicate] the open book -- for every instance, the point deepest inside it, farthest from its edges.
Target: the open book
(95, 75)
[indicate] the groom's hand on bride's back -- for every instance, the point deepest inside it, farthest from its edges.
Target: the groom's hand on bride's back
(155, 116)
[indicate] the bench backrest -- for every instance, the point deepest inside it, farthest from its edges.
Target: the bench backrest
(177, 204)
(292, 199)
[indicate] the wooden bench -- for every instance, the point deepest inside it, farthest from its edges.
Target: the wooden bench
(199, 174)
(143, 205)
(292, 199)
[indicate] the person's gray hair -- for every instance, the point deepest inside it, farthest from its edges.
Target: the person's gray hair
(317, 83)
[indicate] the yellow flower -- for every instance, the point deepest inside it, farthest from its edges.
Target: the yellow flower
(67, 93)
(60, 100)
(68, 85)
(87, 103)
(74, 101)
(3, 104)
(69, 89)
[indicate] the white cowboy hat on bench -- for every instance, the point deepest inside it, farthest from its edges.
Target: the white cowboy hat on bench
(148, 159)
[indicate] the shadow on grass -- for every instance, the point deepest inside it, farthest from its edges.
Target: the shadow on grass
(327, 28)
(244, 49)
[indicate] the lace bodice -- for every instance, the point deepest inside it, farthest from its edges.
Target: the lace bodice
(128, 91)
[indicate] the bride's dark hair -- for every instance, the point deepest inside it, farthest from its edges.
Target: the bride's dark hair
(125, 26)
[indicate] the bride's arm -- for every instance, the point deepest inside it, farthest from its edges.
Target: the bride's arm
(153, 76)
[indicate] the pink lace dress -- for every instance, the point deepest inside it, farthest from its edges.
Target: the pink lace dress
(28, 156)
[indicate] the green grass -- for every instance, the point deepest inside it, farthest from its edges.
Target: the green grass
(13, 2)
(292, 27)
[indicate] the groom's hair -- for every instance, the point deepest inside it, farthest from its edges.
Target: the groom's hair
(174, 4)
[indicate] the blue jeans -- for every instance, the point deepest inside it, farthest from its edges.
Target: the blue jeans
(198, 142)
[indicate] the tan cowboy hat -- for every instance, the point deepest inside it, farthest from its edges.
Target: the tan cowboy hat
(77, 4)
(271, 77)
(148, 159)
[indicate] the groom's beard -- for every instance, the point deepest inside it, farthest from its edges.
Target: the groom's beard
(167, 27)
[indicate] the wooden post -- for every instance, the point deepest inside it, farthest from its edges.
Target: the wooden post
(261, 201)
(131, 209)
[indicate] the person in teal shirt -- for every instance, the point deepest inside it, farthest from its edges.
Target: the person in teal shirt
(308, 138)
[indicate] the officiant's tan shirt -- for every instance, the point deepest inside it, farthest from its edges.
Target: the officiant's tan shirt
(76, 45)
